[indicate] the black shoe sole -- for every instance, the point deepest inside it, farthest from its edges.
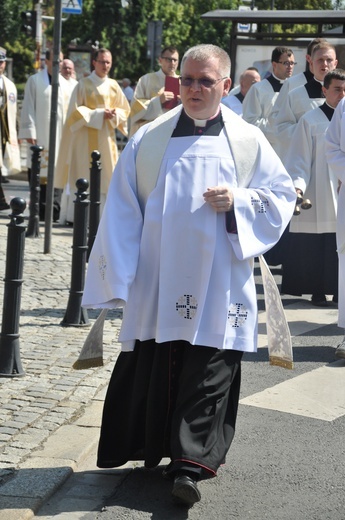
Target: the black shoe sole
(185, 494)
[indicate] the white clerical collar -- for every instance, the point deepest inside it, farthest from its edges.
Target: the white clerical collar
(202, 122)
(330, 106)
(278, 79)
(321, 82)
(98, 78)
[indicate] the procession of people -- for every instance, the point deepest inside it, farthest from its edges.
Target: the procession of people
(210, 178)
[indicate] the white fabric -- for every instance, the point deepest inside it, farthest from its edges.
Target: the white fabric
(234, 104)
(288, 85)
(134, 263)
(235, 90)
(86, 130)
(335, 154)
(146, 105)
(35, 115)
(257, 108)
(307, 165)
(284, 122)
(10, 163)
(71, 83)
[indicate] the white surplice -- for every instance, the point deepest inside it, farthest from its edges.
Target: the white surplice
(307, 165)
(284, 122)
(257, 108)
(181, 275)
(35, 115)
(234, 104)
(335, 155)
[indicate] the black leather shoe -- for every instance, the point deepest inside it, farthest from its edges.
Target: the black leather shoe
(185, 491)
(4, 205)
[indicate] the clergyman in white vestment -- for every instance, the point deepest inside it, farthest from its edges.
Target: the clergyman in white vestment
(335, 154)
(150, 94)
(195, 196)
(310, 265)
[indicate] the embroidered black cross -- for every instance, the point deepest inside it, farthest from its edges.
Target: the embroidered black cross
(237, 314)
(187, 306)
(261, 203)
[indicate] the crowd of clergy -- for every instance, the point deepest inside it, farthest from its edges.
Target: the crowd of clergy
(298, 145)
(292, 110)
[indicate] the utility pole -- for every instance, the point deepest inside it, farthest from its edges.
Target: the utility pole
(53, 124)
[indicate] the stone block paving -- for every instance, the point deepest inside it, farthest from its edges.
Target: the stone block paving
(37, 407)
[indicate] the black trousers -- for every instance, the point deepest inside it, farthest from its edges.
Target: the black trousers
(171, 400)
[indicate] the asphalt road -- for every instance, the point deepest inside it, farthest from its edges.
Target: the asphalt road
(287, 458)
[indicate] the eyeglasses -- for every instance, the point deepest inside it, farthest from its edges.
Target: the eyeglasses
(202, 82)
(103, 62)
(171, 60)
(288, 63)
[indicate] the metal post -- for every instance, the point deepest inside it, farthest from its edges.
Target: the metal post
(95, 198)
(33, 230)
(75, 314)
(53, 125)
(10, 364)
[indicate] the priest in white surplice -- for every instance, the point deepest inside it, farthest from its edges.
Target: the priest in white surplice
(195, 196)
(35, 123)
(259, 102)
(293, 82)
(335, 154)
(310, 265)
(304, 98)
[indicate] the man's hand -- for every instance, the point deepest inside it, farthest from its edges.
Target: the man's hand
(109, 113)
(220, 198)
(166, 96)
(29, 140)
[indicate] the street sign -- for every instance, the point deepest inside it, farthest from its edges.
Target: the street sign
(243, 27)
(72, 6)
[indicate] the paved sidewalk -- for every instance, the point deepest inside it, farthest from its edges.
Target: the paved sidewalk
(49, 417)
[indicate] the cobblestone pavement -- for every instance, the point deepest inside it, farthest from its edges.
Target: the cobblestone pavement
(51, 395)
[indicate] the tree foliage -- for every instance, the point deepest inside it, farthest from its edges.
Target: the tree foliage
(124, 30)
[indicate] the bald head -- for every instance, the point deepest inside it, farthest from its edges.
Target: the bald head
(247, 79)
(67, 69)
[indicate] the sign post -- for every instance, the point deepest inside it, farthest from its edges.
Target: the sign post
(72, 6)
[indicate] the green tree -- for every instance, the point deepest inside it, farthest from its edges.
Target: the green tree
(124, 30)
(17, 44)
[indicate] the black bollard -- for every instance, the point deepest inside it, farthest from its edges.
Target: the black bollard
(95, 198)
(33, 230)
(10, 364)
(75, 314)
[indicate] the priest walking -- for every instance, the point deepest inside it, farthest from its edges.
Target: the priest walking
(97, 108)
(195, 196)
